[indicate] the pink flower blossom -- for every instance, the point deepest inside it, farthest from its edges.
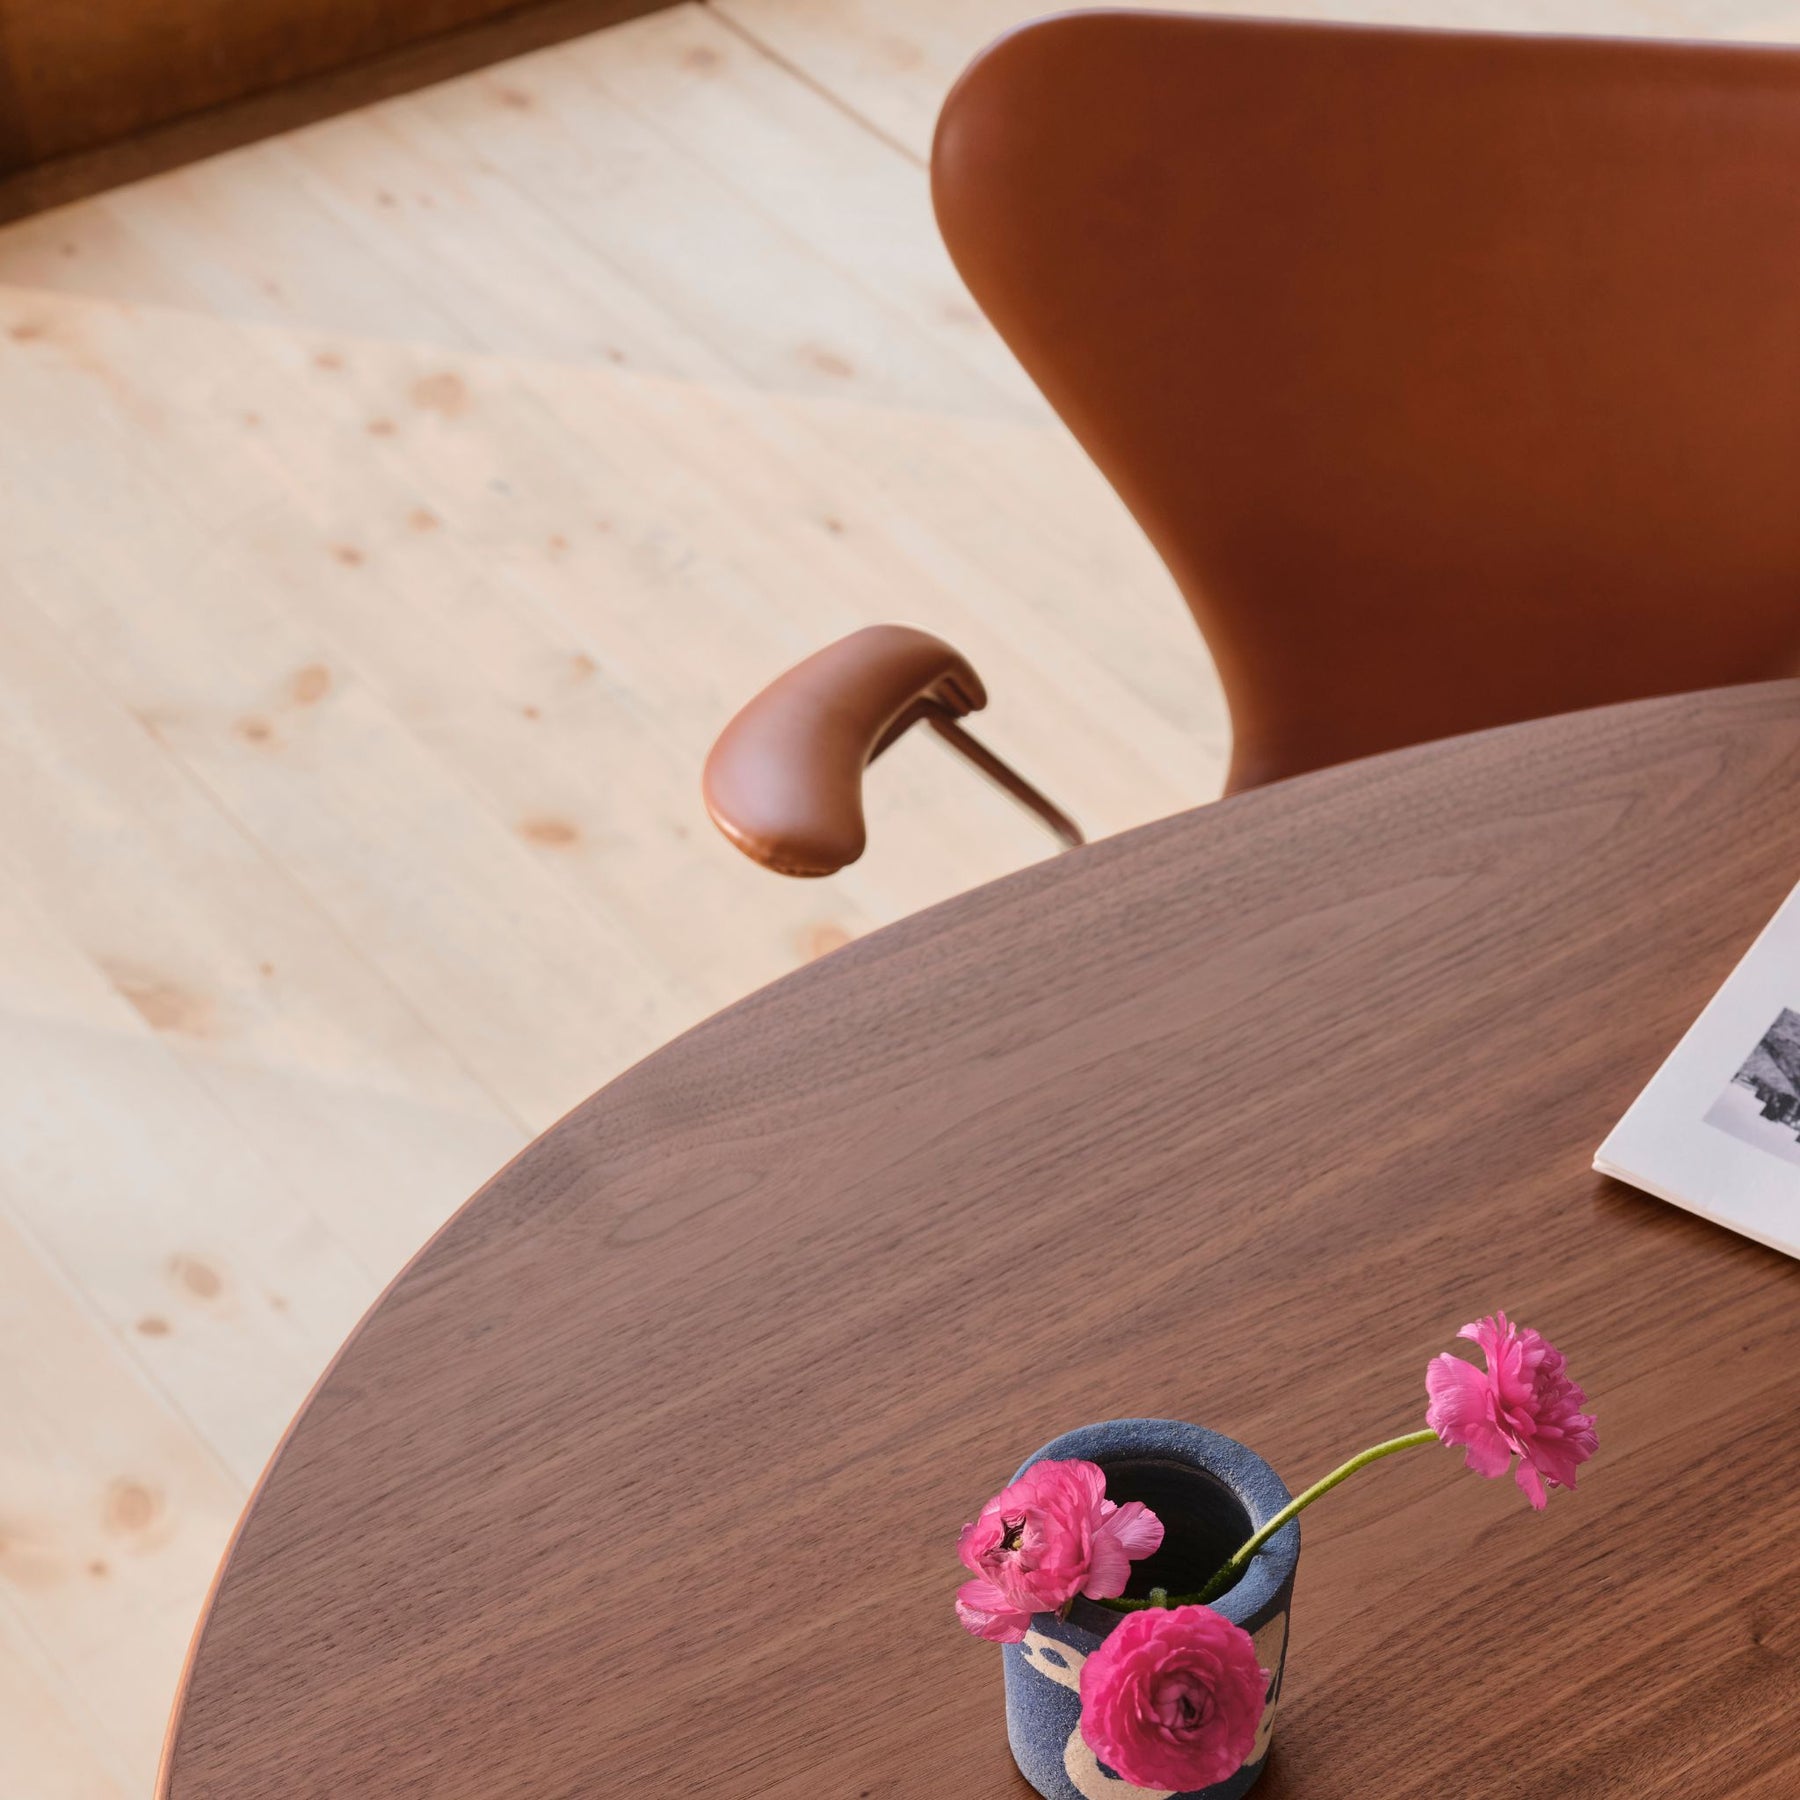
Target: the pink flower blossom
(1522, 1404)
(985, 1612)
(1051, 1535)
(1173, 1697)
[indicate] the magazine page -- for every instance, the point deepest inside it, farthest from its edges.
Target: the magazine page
(1718, 1128)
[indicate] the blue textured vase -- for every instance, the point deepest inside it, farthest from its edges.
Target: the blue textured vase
(1211, 1494)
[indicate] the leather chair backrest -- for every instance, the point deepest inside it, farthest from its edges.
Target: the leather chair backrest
(1455, 376)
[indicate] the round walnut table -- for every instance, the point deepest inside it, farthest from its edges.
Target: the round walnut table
(645, 1477)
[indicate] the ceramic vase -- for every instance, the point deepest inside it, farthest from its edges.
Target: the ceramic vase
(1211, 1493)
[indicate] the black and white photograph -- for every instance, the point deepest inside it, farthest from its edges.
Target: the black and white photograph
(1761, 1103)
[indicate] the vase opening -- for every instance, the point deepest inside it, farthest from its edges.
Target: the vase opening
(1204, 1522)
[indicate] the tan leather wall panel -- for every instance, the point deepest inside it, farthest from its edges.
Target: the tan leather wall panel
(77, 74)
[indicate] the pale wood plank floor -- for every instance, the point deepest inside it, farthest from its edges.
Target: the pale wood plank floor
(391, 513)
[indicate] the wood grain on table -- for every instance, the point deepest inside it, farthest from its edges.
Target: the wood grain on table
(646, 1476)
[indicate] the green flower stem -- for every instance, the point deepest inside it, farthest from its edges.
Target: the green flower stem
(1233, 1569)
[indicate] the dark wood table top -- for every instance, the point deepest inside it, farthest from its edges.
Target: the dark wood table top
(645, 1477)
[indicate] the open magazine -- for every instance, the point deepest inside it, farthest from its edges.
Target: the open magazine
(1718, 1128)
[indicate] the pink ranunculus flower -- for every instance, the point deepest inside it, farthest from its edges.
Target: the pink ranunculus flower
(985, 1612)
(1522, 1404)
(1173, 1697)
(1051, 1535)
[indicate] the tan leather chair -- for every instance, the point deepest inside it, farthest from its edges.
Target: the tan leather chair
(1456, 377)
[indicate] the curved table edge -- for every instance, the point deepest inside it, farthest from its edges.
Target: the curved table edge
(927, 919)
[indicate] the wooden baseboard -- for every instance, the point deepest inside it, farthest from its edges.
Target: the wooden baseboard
(262, 114)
